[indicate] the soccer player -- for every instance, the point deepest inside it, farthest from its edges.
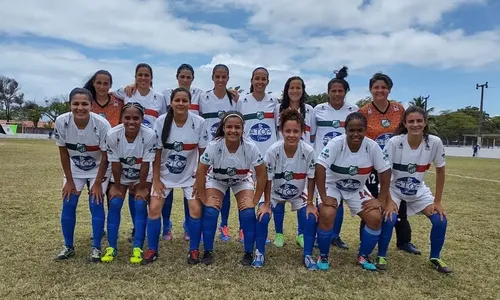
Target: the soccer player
(341, 172)
(290, 173)
(383, 118)
(105, 104)
(179, 133)
(80, 136)
(131, 148)
(330, 123)
(260, 112)
(213, 105)
(411, 152)
(294, 94)
(230, 158)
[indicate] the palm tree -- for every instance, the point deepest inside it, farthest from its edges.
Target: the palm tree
(420, 102)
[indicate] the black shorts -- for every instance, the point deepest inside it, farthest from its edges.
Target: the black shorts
(372, 183)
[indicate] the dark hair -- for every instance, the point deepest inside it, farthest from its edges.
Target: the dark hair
(80, 91)
(167, 125)
(184, 67)
(220, 129)
(356, 116)
(290, 114)
(144, 65)
(89, 85)
(136, 105)
(222, 66)
(339, 78)
(285, 103)
(413, 109)
(379, 76)
(253, 73)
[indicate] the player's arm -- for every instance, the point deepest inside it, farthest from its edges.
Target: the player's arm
(439, 163)
(325, 159)
(269, 159)
(310, 178)
(261, 174)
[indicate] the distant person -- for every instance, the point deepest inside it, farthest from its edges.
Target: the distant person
(475, 148)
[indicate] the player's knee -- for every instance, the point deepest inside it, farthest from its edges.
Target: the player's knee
(266, 218)
(327, 215)
(374, 220)
(310, 220)
(155, 207)
(437, 222)
(194, 209)
(246, 203)
(391, 221)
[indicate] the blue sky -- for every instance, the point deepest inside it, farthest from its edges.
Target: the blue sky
(437, 48)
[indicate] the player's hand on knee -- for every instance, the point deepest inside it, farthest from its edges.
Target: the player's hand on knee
(331, 202)
(370, 205)
(437, 207)
(158, 187)
(312, 209)
(246, 202)
(262, 210)
(213, 201)
(96, 192)
(68, 189)
(388, 209)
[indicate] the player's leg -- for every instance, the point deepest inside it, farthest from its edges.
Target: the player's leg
(215, 193)
(279, 219)
(300, 222)
(194, 225)
(337, 227)
(244, 192)
(131, 208)
(371, 230)
(261, 231)
(224, 217)
(185, 225)
(114, 217)
(98, 219)
(403, 232)
(141, 219)
(166, 212)
(372, 185)
(386, 235)
(327, 213)
(310, 226)
(153, 226)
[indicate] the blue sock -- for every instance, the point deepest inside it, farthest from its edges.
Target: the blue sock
(68, 219)
(324, 239)
(153, 228)
(279, 217)
(131, 207)
(226, 206)
(186, 216)
(194, 233)
(141, 217)
(300, 223)
(438, 233)
(310, 228)
(114, 216)
(209, 226)
(262, 228)
(369, 239)
(339, 219)
(248, 221)
(386, 234)
(98, 218)
(166, 211)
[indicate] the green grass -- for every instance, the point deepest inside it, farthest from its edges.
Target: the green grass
(31, 180)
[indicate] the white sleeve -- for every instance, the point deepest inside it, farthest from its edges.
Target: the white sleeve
(112, 148)
(257, 158)
(313, 122)
(311, 167)
(328, 155)
(204, 135)
(104, 128)
(149, 151)
(60, 133)
(270, 160)
(389, 150)
(208, 156)
(380, 161)
(164, 103)
(158, 128)
(439, 157)
(119, 93)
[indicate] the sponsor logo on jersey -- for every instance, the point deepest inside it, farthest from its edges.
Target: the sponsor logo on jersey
(382, 139)
(353, 170)
(130, 173)
(85, 163)
(176, 164)
(260, 132)
(213, 128)
(287, 191)
(385, 123)
(329, 136)
(146, 123)
(325, 153)
(408, 185)
(348, 185)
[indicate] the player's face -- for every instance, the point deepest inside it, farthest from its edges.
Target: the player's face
(355, 132)
(132, 120)
(180, 103)
(380, 91)
(233, 129)
(336, 94)
(102, 84)
(415, 123)
(259, 81)
(295, 90)
(292, 132)
(185, 78)
(143, 78)
(80, 106)
(220, 78)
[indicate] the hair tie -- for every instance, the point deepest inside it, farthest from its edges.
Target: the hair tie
(232, 115)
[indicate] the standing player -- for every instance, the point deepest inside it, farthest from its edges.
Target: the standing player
(411, 152)
(179, 133)
(330, 118)
(294, 96)
(341, 172)
(213, 105)
(383, 118)
(105, 104)
(80, 136)
(290, 165)
(230, 159)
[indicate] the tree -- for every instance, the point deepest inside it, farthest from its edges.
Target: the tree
(32, 112)
(453, 125)
(10, 95)
(362, 102)
(55, 107)
(314, 100)
(420, 102)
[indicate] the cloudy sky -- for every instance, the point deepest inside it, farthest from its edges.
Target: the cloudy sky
(440, 48)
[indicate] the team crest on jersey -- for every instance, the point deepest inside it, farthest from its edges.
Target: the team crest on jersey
(287, 191)
(412, 168)
(260, 132)
(130, 173)
(130, 161)
(385, 123)
(81, 148)
(220, 114)
(260, 115)
(353, 170)
(288, 175)
(85, 163)
(408, 185)
(230, 171)
(178, 146)
(176, 164)
(336, 123)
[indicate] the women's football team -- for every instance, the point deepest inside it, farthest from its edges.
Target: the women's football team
(268, 153)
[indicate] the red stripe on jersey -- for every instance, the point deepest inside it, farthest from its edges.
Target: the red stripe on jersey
(151, 112)
(364, 171)
(299, 175)
(189, 146)
(269, 115)
(342, 124)
(307, 128)
(194, 107)
(423, 168)
(242, 171)
(92, 148)
(139, 160)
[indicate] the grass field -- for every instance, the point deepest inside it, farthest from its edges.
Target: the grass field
(30, 202)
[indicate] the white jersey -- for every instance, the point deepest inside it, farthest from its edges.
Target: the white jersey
(84, 145)
(348, 171)
(131, 155)
(179, 156)
(195, 99)
(289, 175)
(212, 109)
(231, 168)
(261, 120)
(309, 120)
(409, 166)
(330, 123)
(153, 103)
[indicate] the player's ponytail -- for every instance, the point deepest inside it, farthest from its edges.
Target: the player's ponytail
(340, 76)
(167, 125)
